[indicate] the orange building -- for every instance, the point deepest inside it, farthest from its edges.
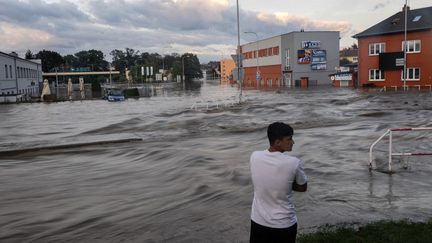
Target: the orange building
(295, 59)
(226, 67)
(381, 51)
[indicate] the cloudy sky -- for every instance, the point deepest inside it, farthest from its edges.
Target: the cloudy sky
(207, 28)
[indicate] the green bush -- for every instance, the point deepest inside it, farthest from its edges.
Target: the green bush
(377, 232)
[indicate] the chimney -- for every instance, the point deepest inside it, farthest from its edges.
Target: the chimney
(405, 6)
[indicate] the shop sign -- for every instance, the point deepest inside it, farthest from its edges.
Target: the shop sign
(342, 76)
(319, 66)
(311, 44)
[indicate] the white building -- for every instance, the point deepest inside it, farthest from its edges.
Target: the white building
(292, 59)
(18, 77)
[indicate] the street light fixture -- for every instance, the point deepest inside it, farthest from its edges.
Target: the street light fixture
(257, 56)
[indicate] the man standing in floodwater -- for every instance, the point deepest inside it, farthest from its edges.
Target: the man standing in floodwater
(275, 176)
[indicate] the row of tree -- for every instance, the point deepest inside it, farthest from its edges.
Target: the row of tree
(122, 60)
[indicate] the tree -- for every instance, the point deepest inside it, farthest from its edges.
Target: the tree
(118, 59)
(131, 57)
(29, 55)
(70, 62)
(192, 66)
(93, 59)
(50, 60)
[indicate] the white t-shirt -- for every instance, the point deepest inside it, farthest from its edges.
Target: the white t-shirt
(273, 174)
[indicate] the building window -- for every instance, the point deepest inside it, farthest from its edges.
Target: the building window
(376, 75)
(270, 51)
(287, 58)
(276, 50)
(376, 48)
(413, 46)
(10, 69)
(6, 71)
(413, 74)
(417, 18)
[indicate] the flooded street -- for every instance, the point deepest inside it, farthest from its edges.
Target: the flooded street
(65, 179)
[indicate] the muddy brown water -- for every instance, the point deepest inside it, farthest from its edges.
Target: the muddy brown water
(188, 179)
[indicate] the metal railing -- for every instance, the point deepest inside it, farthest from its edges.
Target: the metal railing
(390, 152)
(212, 104)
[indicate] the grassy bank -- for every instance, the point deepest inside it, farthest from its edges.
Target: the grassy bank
(378, 232)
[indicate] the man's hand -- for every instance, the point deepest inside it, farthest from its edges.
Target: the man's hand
(299, 188)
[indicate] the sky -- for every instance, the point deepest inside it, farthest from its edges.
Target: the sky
(207, 28)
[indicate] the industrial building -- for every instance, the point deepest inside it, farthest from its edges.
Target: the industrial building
(301, 58)
(19, 78)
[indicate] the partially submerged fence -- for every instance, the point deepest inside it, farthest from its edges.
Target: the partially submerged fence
(389, 132)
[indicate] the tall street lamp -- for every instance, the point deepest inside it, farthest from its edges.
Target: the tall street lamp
(405, 45)
(239, 61)
(257, 56)
(183, 74)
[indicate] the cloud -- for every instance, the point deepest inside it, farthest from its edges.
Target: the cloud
(164, 26)
(17, 36)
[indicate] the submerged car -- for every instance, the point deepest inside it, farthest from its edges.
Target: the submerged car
(115, 95)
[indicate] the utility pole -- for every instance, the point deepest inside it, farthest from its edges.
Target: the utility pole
(183, 73)
(405, 45)
(258, 75)
(239, 64)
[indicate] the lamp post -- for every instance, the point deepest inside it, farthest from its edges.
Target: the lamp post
(405, 45)
(183, 74)
(239, 64)
(257, 56)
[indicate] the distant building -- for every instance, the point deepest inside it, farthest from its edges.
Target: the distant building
(300, 58)
(212, 70)
(18, 77)
(227, 66)
(381, 51)
(345, 76)
(349, 54)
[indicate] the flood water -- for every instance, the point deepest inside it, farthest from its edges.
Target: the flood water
(188, 180)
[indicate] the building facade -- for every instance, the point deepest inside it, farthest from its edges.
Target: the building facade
(18, 77)
(350, 55)
(381, 51)
(226, 66)
(292, 59)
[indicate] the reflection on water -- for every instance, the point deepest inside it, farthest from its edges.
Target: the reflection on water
(187, 179)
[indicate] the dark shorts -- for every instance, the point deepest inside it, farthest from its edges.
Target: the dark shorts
(261, 233)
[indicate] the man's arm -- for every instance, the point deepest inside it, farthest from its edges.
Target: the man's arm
(299, 188)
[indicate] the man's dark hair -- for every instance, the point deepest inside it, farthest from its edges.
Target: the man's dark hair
(278, 130)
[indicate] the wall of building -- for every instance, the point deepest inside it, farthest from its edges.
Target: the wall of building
(393, 43)
(282, 57)
(292, 44)
(264, 60)
(24, 79)
(270, 77)
(227, 66)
